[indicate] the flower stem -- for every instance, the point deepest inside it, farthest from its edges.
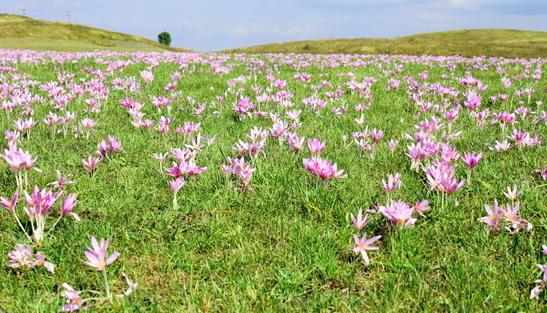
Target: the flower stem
(106, 285)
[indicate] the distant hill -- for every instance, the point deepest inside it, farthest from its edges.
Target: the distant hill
(20, 32)
(489, 42)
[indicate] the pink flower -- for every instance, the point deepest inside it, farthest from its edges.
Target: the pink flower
(147, 76)
(362, 245)
(67, 205)
(61, 181)
(421, 207)
(393, 182)
(399, 213)
(441, 177)
(324, 169)
(359, 222)
(91, 163)
(176, 184)
(541, 284)
(473, 101)
(493, 219)
(96, 256)
(23, 257)
(471, 160)
(11, 203)
(18, 159)
(73, 300)
(316, 146)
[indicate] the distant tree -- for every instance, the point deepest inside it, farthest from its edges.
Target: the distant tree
(164, 38)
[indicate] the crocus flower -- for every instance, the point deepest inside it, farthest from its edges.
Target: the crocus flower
(541, 284)
(73, 300)
(399, 213)
(393, 182)
(67, 205)
(175, 185)
(512, 194)
(471, 160)
(22, 257)
(147, 76)
(359, 222)
(61, 181)
(91, 164)
(324, 169)
(316, 146)
(493, 219)
(421, 207)
(96, 255)
(362, 245)
(9, 204)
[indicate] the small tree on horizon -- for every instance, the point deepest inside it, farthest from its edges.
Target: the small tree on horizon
(164, 38)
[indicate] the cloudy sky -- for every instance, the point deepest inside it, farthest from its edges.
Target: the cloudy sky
(221, 24)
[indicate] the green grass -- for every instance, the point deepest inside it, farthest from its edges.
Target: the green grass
(286, 245)
(19, 32)
(476, 42)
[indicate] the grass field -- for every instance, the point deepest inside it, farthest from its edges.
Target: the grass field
(19, 32)
(283, 242)
(488, 42)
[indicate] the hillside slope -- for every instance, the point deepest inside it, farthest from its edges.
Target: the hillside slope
(19, 32)
(489, 42)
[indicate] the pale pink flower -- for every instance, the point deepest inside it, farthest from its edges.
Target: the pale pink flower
(359, 222)
(362, 245)
(324, 169)
(96, 255)
(316, 146)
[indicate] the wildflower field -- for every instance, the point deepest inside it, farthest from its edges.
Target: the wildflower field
(174, 182)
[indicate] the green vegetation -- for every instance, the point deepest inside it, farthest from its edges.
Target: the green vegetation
(164, 38)
(19, 32)
(285, 245)
(488, 42)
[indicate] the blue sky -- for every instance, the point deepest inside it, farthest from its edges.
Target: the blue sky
(221, 24)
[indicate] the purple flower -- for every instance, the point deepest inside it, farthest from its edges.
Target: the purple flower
(471, 160)
(324, 169)
(362, 245)
(399, 213)
(359, 222)
(96, 256)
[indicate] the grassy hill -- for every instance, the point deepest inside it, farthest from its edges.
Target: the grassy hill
(19, 32)
(489, 42)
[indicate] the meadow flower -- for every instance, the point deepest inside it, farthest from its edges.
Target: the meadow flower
(67, 205)
(501, 146)
(61, 181)
(541, 284)
(392, 144)
(393, 182)
(324, 169)
(9, 204)
(359, 222)
(73, 300)
(471, 160)
(362, 245)
(175, 185)
(23, 257)
(399, 213)
(421, 207)
(147, 76)
(97, 258)
(238, 167)
(512, 193)
(493, 219)
(96, 255)
(316, 146)
(441, 177)
(91, 164)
